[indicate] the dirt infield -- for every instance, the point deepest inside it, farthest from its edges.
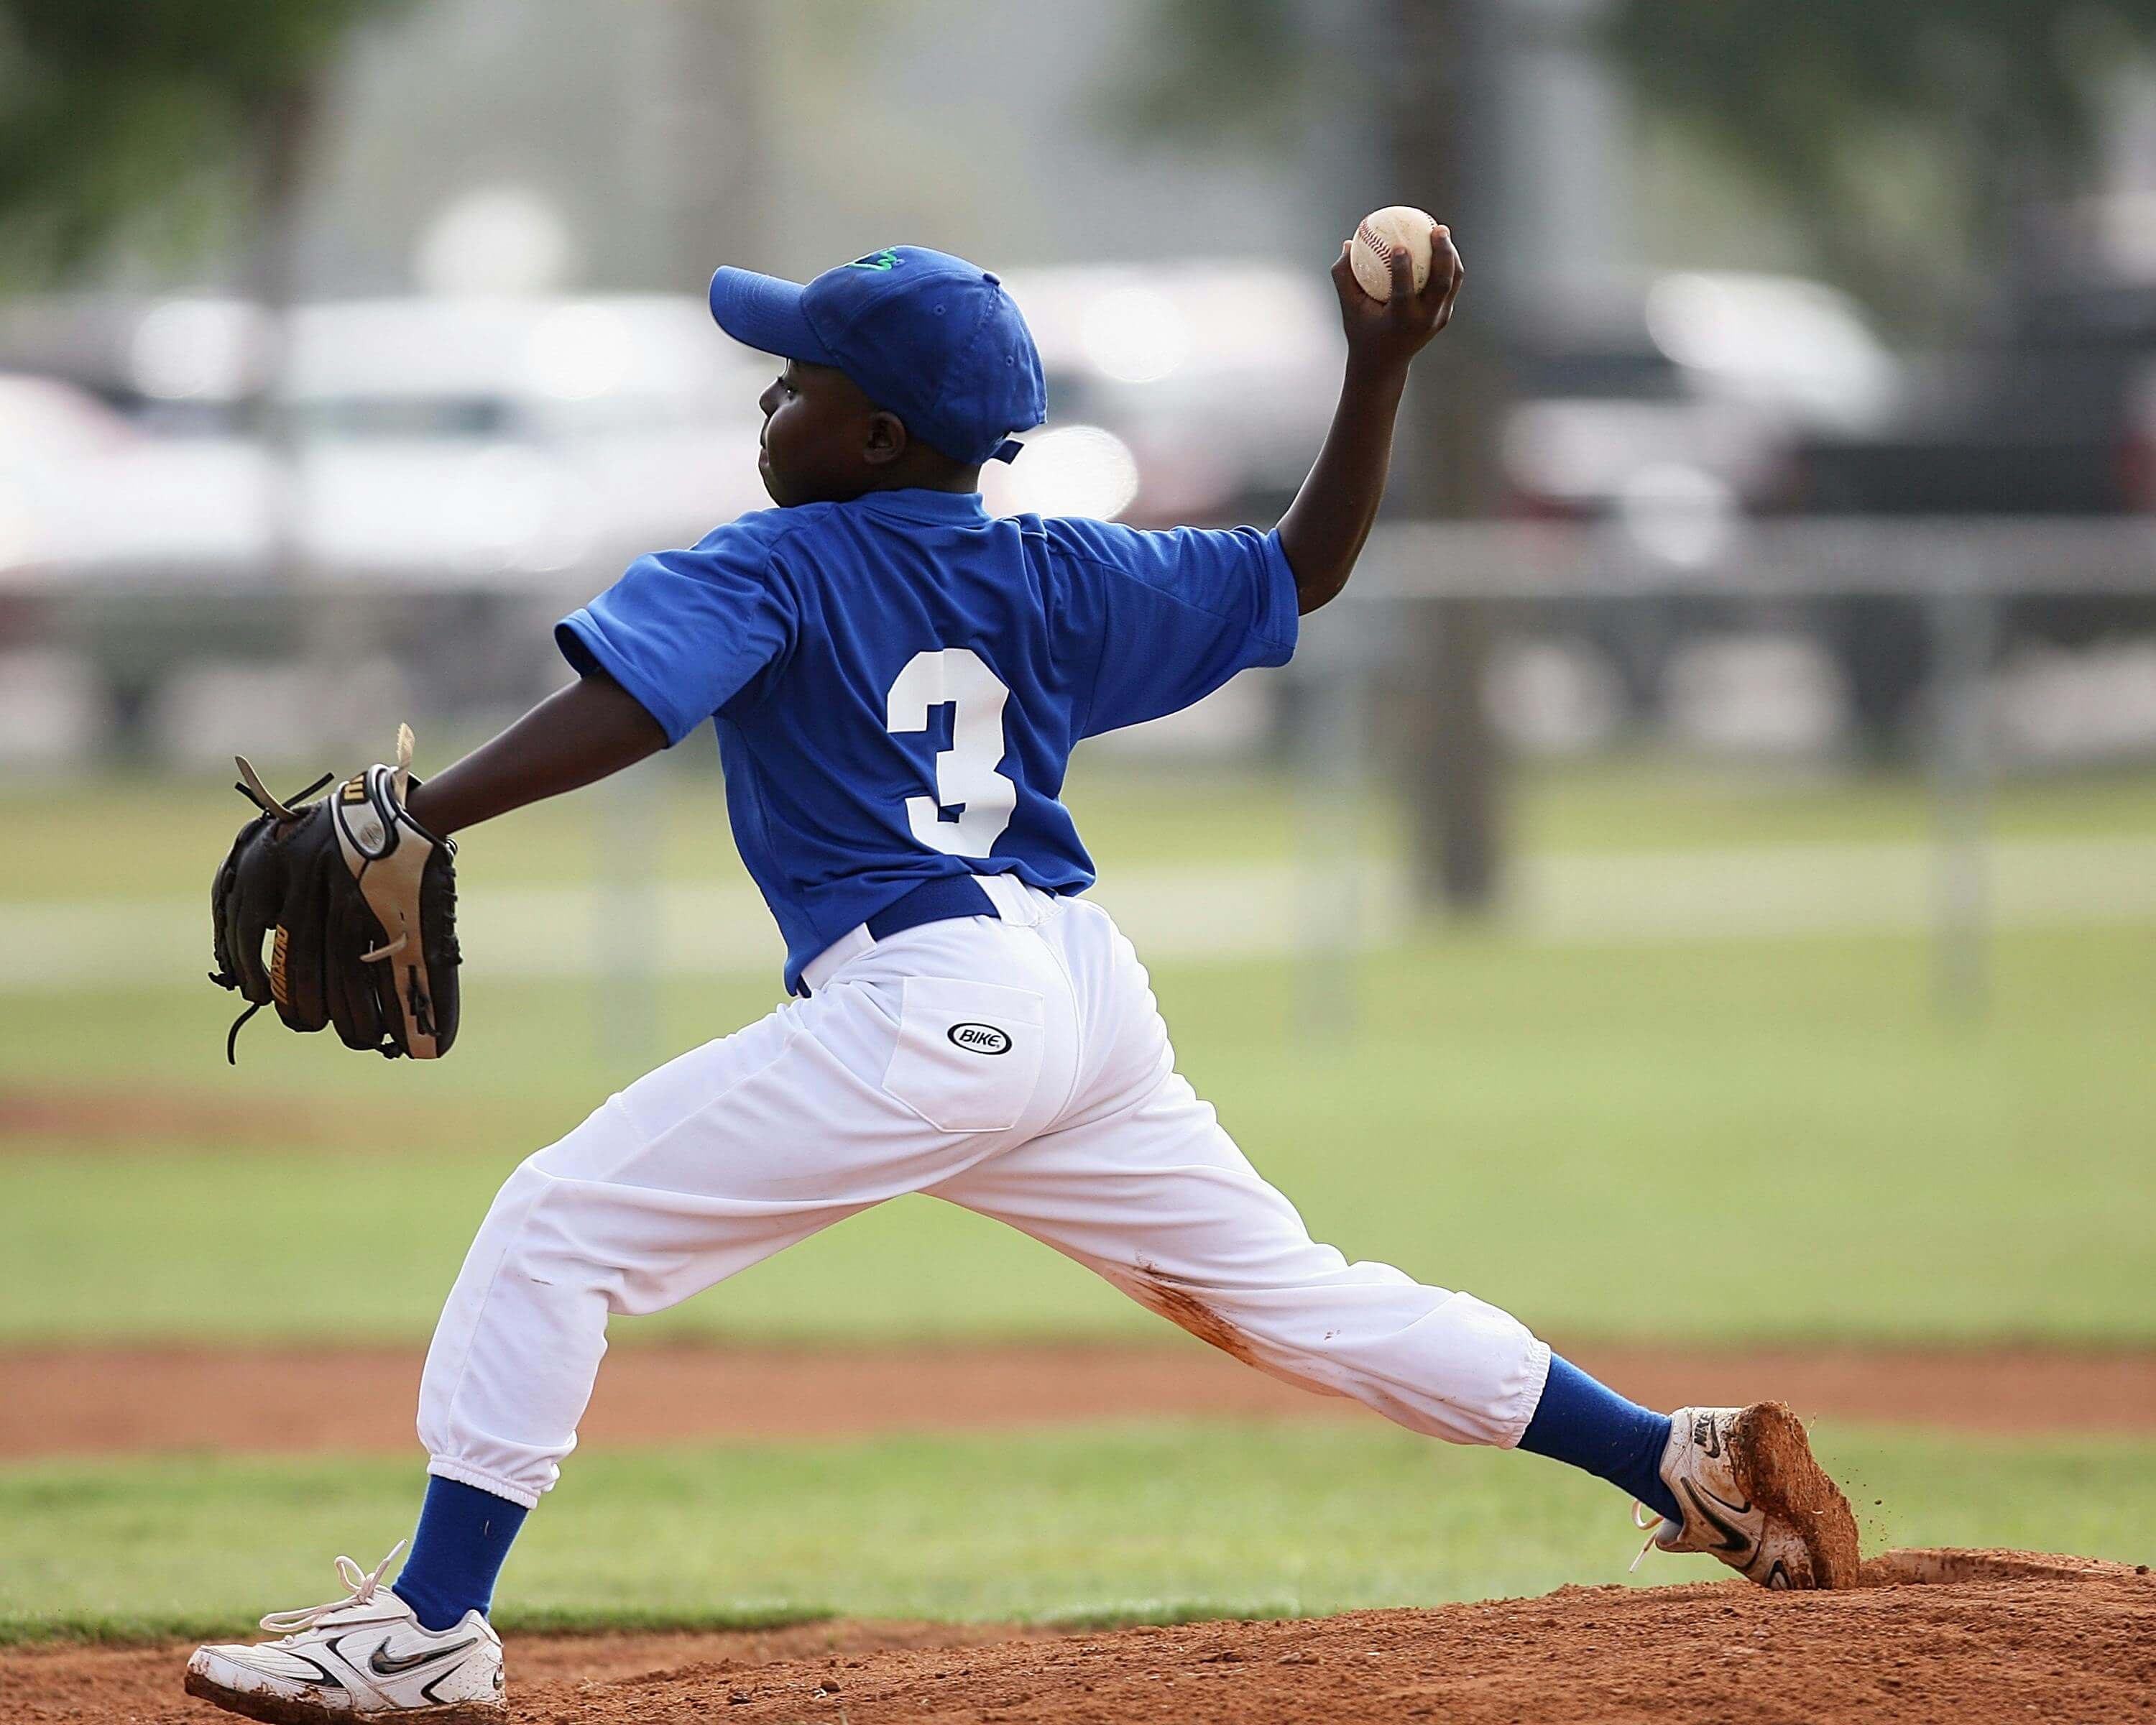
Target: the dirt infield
(1943, 1639)
(96, 1400)
(86, 1119)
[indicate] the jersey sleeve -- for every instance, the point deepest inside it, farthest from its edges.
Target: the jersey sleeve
(685, 632)
(1178, 613)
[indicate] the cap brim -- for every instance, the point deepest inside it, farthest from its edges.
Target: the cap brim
(764, 312)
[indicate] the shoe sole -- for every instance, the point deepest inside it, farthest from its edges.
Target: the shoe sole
(291, 1710)
(1773, 1460)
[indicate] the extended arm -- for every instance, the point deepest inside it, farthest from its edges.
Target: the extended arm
(574, 738)
(1323, 530)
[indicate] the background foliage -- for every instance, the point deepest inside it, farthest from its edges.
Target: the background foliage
(164, 116)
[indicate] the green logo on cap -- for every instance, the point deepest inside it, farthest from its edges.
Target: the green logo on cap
(884, 260)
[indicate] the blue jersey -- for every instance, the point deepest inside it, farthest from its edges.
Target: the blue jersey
(897, 682)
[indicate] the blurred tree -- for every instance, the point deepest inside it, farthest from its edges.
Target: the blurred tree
(1420, 74)
(1216, 72)
(1819, 100)
(1825, 103)
(183, 114)
(1435, 67)
(175, 112)
(2004, 99)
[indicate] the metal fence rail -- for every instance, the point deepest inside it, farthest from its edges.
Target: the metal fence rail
(475, 649)
(1805, 557)
(1957, 575)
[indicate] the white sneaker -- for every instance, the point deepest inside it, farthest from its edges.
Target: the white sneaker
(1753, 1496)
(365, 1657)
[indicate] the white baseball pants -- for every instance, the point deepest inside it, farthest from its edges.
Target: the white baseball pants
(1016, 1064)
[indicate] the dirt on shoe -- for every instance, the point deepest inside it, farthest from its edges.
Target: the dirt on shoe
(1773, 1462)
(280, 1710)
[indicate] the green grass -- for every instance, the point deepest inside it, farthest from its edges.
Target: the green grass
(1707, 1139)
(1648, 804)
(1147, 1523)
(176, 828)
(673, 810)
(1713, 1140)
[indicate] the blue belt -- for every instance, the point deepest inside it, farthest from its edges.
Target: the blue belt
(937, 901)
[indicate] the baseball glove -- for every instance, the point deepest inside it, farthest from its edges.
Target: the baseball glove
(362, 900)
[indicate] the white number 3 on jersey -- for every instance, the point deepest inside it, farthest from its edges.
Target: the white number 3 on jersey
(966, 776)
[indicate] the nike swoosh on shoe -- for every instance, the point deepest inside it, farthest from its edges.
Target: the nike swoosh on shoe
(384, 1667)
(1732, 1540)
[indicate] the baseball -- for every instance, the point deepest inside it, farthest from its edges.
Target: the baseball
(1398, 228)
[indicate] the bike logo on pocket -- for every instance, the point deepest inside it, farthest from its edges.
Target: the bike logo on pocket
(979, 1039)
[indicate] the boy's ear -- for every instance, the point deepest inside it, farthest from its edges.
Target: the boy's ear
(886, 440)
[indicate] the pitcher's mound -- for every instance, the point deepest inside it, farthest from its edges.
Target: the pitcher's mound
(1945, 1637)
(1939, 1637)
(1949, 1567)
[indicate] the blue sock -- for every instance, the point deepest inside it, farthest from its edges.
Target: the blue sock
(463, 1535)
(1580, 1422)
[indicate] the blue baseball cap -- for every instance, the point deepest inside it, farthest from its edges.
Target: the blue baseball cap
(928, 336)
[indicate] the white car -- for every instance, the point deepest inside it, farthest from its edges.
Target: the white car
(1193, 392)
(1686, 395)
(493, 440)
(466, 442)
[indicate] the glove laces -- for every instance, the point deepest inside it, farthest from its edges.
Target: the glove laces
(283, 811)
(1651, 1526)
(363, 1583)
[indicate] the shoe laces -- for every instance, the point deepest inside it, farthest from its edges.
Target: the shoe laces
(1651, 1526)
(363, 1583)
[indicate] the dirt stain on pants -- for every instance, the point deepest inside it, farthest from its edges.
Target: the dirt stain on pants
(1185, 1310)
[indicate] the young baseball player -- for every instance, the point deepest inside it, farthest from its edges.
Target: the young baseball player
(897, 681)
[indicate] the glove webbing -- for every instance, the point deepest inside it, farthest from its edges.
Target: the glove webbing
(249, 785)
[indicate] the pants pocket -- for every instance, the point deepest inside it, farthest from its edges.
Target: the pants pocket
(968, 1054)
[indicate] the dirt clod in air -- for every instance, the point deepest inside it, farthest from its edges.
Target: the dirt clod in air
(1774, 1458)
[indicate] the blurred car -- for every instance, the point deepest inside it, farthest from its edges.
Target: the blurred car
(450, 441)
(470, 452)
(99, 496)
(2048, 409)
(494, 439)
(45, 425)
(44, 419)
(1182, 392)
(1688, 396)
(172, 366)
(1673, 408)
(497, 442)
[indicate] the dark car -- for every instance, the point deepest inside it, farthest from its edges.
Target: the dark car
(2048, 410)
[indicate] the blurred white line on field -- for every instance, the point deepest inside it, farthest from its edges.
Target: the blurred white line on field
(1246, 911)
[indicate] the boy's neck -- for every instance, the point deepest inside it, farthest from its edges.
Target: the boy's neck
(951, 477)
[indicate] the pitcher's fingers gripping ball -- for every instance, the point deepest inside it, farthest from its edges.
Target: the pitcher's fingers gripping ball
(1399, 230)
(358, 901)
(1398, 279)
